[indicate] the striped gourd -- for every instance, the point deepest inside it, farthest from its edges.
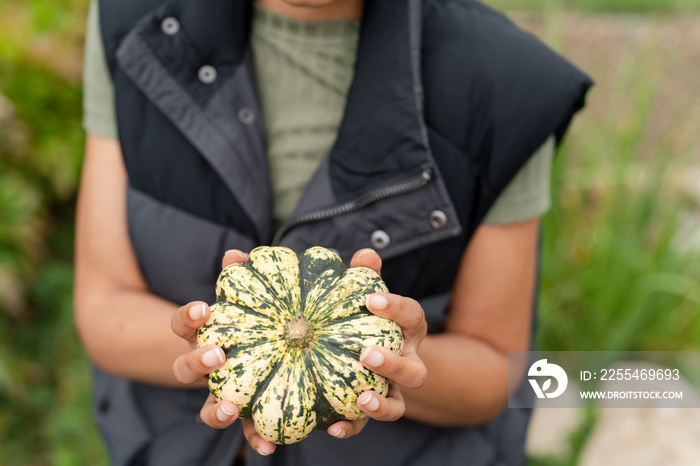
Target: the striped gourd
(292, 327)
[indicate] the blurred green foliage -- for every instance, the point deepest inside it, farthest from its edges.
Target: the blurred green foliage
(615, 276)
(45, 411)
(613, 273)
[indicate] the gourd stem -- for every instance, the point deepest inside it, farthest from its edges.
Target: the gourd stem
(298, 332)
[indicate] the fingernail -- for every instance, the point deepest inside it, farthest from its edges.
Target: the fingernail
(229, 411)
(222, 414)
(376, 302)
(372, 357)
(263, 451)
(198, 311)
(213, 357)
(237, 253)
(368, 401)
(336, 432)
(364, 251)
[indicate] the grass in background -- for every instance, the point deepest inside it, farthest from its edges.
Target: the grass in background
(614, 276)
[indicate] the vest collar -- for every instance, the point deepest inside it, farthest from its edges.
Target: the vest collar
(382, 133)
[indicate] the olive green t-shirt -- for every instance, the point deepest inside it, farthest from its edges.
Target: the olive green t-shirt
(303, 73)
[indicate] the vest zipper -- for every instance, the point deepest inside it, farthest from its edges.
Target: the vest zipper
(351, 206)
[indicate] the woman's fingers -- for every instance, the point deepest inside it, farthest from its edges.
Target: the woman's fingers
(187, 319)
(407, 370)
(345, 429)
(221, 414)
(367, 258)
(233, 256)
(406, 312)
(218, 414)
(259, 444)
(195, 365)
(376, 406)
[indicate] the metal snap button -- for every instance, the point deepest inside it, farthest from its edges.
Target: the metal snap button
(207, 74)
(438, 219)
(246, 115)
(380, 240)
(170, 26)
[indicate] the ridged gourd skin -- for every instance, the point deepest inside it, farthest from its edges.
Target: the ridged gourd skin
(292, 327)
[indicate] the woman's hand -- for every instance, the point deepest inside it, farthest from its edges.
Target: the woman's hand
(405, 370)
(195, 366)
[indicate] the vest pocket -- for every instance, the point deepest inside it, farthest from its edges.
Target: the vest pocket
(179, 253)
(392, 225)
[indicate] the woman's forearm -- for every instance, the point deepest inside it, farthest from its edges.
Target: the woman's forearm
(125, 329)
(127, 333)
(467, 382)
(490, 314)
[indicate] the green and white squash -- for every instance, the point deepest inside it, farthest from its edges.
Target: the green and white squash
(292, 327)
